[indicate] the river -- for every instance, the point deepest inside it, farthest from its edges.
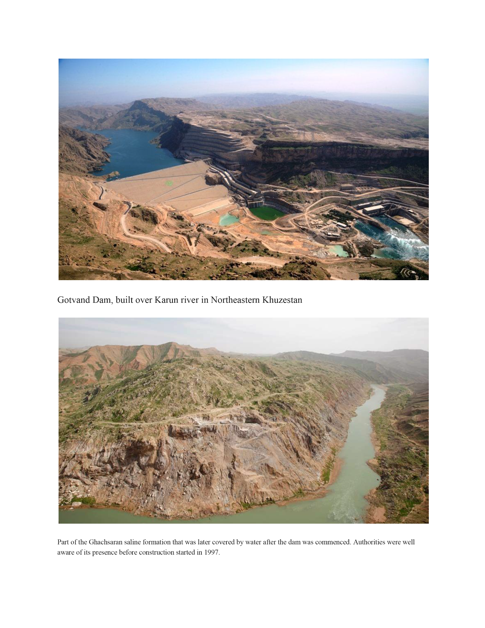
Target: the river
(344, 503)
(131, 153)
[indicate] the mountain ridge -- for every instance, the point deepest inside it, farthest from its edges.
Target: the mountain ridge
(102, 362)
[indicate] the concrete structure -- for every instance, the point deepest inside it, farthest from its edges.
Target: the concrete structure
(374, 210)
(362, 202)
(332, 234)
(255, 202)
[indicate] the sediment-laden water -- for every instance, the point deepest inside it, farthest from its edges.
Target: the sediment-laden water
(228, 219)
(344, 503)
(339, 250)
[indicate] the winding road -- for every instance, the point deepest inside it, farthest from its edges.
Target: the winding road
(144, 238)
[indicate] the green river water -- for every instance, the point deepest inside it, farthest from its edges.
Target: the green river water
(344, 503)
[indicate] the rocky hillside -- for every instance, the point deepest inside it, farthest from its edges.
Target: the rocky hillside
(81, 152)
(401, 428)
(201, 434)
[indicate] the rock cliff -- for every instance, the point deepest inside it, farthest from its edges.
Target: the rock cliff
(81, 152)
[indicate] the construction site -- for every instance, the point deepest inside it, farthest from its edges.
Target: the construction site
(215, 211)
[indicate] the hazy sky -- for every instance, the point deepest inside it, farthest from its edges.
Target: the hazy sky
(262, 336)
(123, 80)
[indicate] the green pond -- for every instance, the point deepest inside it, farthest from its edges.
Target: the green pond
(344, 503)
(228, 219)
(266, 213)
(339, 250)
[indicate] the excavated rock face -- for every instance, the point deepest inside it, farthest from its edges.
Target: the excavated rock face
(289, 158)
(201, 466)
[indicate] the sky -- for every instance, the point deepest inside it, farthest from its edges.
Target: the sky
(119, 81)
(249, 335)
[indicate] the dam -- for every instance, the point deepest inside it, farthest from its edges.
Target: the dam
(183, 188)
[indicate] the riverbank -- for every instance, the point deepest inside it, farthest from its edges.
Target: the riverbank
(309, 495)
(375, 513)
(400, 438)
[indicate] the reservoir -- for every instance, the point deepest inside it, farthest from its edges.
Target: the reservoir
(344, 503)
(131, 153)
(400, 242)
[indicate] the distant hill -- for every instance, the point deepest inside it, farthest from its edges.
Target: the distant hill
(414, 363)
(148, 114)
(346, 120)
(81, 152)
(105, 362)
(243, 101)
(369, 370)
(382, 370)
(350, 119)
(89, 117)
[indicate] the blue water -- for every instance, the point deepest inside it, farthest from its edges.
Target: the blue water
(131, 153)
(400, 243)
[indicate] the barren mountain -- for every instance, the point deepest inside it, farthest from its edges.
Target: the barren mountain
(106, 362)
(245, 101)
